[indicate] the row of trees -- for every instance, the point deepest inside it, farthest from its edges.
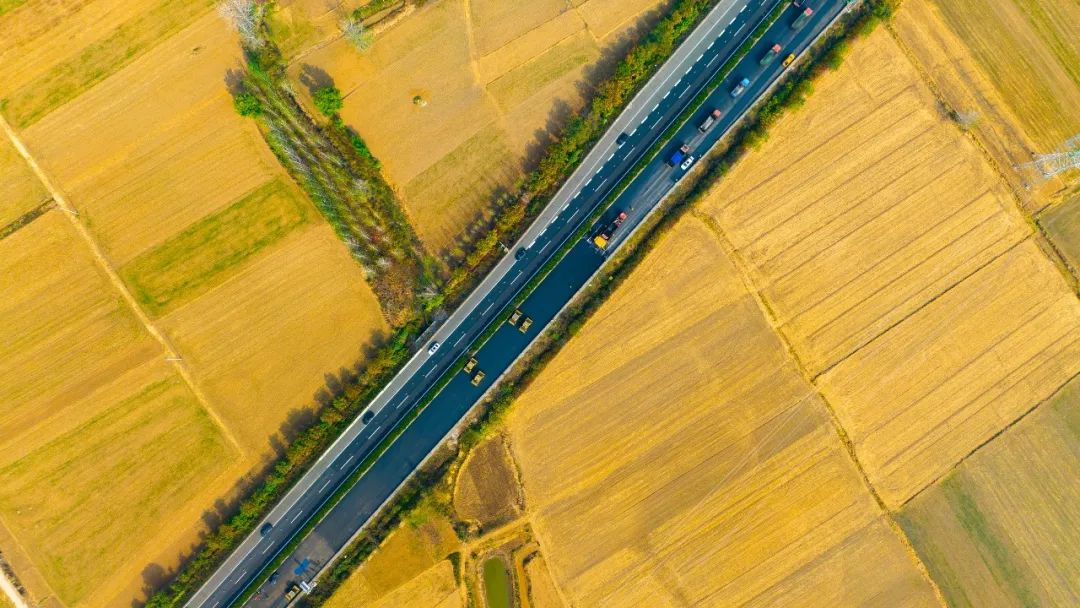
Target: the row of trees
(331, 162)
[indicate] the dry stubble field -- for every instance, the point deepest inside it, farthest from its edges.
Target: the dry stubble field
(223, 253)
(900, 270)
(690, 463)
(493, 74)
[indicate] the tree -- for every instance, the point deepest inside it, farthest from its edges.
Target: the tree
(358, 35)
(328, 100)
(244, 15)
(247, 104)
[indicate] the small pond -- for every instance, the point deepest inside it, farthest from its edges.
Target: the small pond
(497, 587)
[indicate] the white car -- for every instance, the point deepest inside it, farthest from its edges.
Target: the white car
(686, 163)
(434, 347)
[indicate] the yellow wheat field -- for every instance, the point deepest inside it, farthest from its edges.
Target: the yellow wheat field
(20, 191)
(493, 76)
(108, 458)
(408, 569)
(689, 463)
(897, 265)
(1002, 530)
(53, 50)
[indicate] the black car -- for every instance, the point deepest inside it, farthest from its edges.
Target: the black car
(368, 415)
(273, 578)
(266, 528)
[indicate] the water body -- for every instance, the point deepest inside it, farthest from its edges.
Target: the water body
(497, 585)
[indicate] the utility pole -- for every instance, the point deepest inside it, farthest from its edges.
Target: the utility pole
(1067, 157)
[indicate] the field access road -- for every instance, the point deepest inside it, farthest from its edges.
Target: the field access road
(664, 98)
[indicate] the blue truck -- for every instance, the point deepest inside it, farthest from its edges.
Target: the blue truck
(739, 88)
(678, 156)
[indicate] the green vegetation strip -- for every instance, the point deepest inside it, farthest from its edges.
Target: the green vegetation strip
(790, 94)
(200, 256)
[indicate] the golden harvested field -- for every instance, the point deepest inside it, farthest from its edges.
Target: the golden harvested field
(53, 50)
(103, 446)
(408, 569)
(1011, 64)
(209, 233)
(157, 146)
(870, 169)
(1002, 530)
(896, 264)
(542, 590)
(20, 191)
(261, 342)
(495, 77)
(693, 464)
(487, 490)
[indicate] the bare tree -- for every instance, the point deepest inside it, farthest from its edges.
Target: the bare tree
(355, 32)
(242, 15)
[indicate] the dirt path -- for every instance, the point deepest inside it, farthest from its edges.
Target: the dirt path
(73, 216)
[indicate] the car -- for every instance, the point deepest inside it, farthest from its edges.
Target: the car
(470, 364)
(686, 163)
(525, 325)
(788, 60)
(478, 377)
(621, 139)
(273, 578)
(368, 415)
(434, 347)
(265, 529)
(292, 592)
(514, 318)
(520, 253)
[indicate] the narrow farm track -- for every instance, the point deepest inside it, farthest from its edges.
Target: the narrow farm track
(99, 256)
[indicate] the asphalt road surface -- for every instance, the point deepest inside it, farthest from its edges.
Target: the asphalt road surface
(637, 129)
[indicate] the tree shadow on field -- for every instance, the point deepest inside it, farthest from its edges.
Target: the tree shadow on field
(234, 81)
(156, 577)
(315, 78)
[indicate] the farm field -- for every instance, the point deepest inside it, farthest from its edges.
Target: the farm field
(409, 569)
(103, 445)
(714, 477)
(889, 250)
(1013, 66)
(53, 51)
(487, 490)
(1001, 529)
(1062, 224)
(227, 259)
(495, 77)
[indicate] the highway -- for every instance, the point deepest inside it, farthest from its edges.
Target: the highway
(632, 135)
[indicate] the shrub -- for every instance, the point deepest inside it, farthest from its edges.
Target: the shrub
(328, 100)
(247, 104)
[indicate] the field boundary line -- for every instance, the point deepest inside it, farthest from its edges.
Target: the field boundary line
(118, 284)
(1023, 416)
(845, 440)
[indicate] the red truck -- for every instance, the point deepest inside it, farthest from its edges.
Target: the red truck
(709, 120)
(603, 237)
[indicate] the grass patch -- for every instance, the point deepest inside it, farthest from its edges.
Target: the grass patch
(67, 79)
(202, 255)
(995, 554)
(10, 5)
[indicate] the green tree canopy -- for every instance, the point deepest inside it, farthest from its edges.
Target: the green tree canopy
(247, 104)
(328, 100)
